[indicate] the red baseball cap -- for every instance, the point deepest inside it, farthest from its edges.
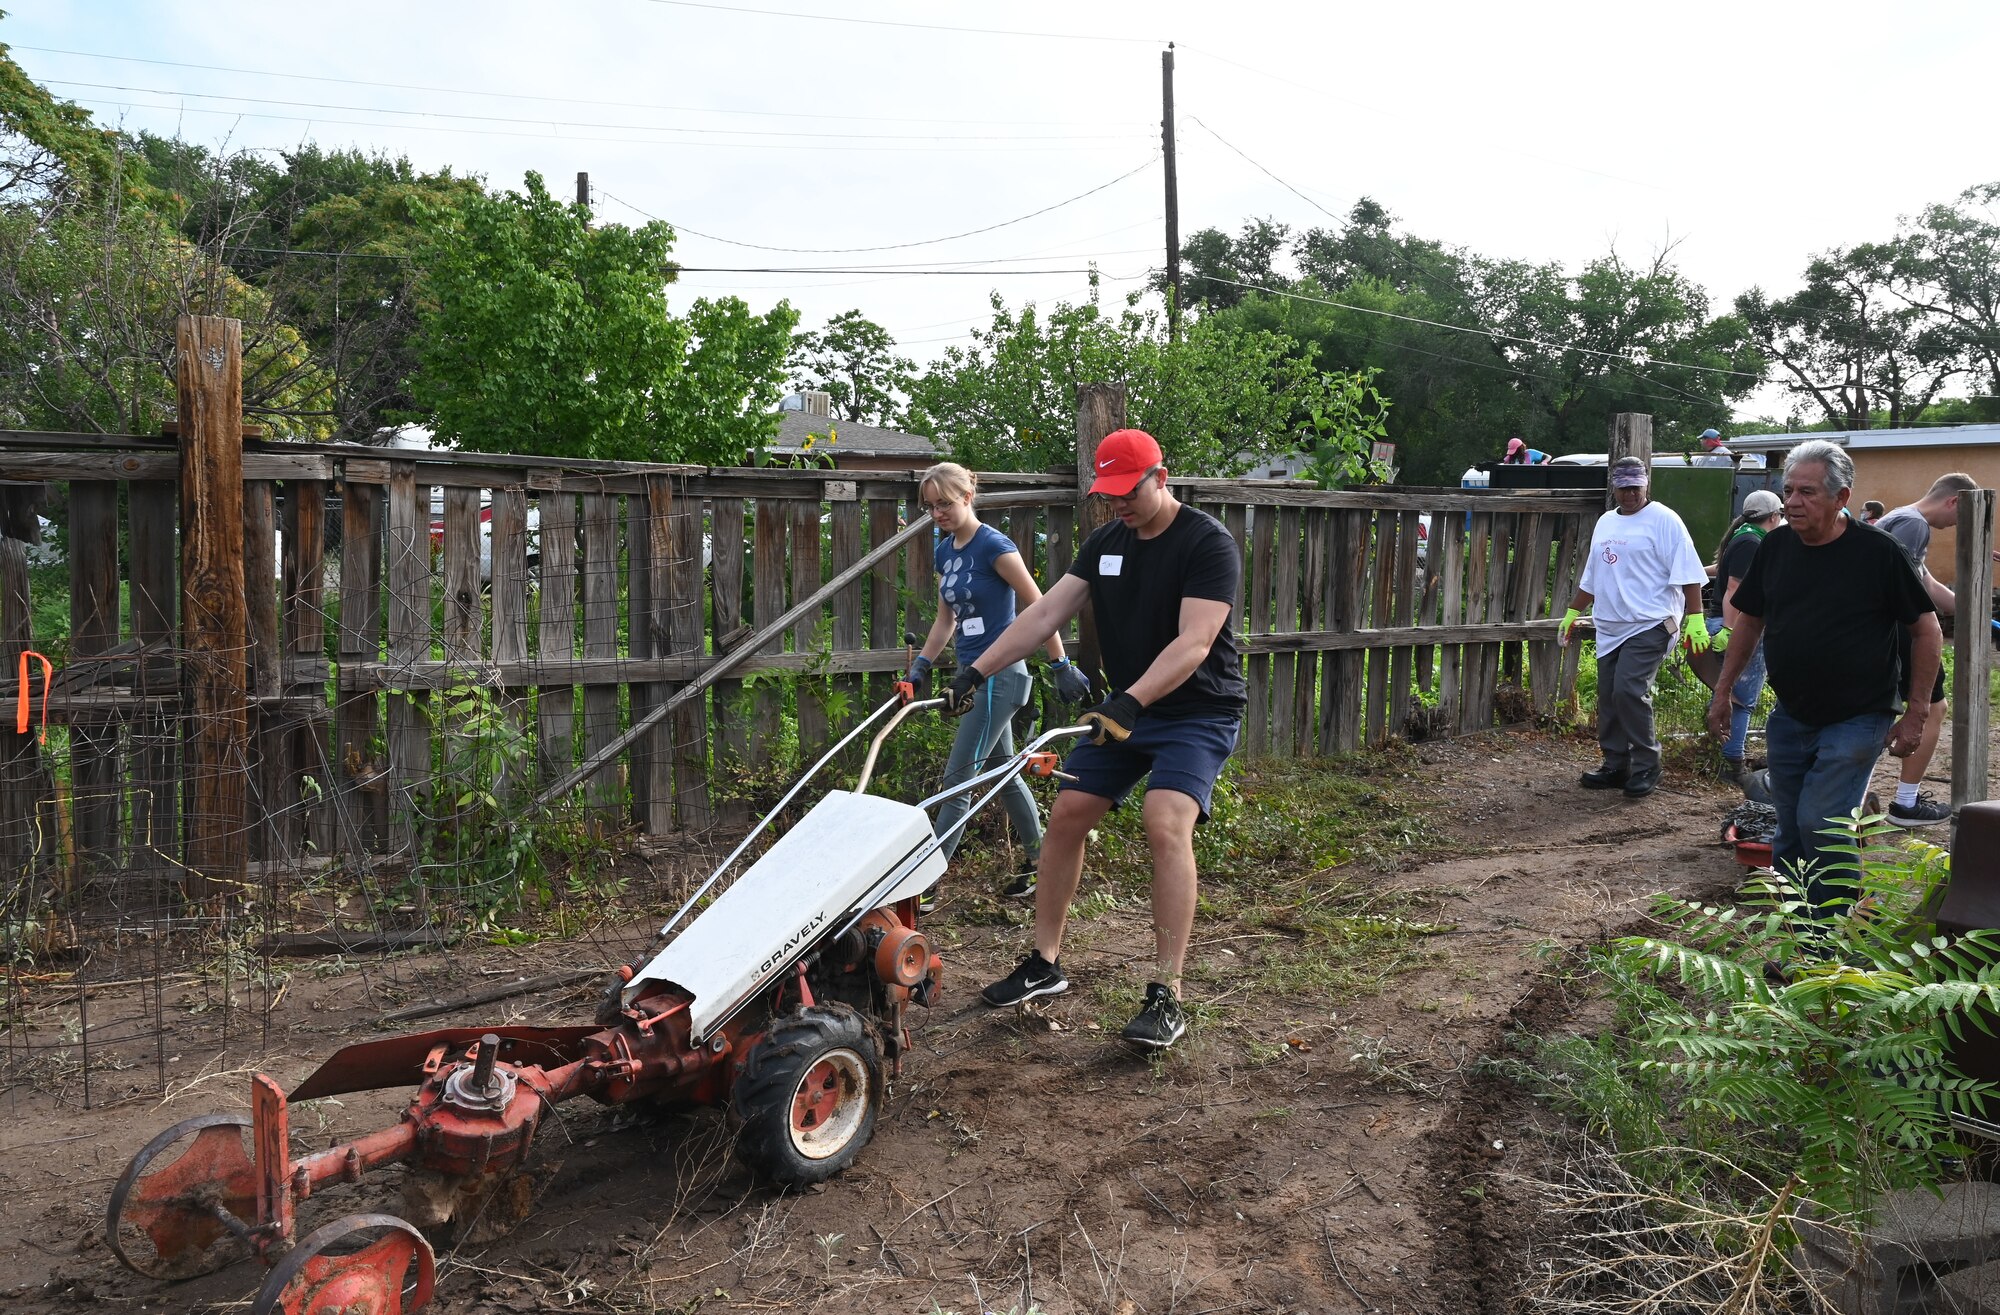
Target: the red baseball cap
(1123, 458)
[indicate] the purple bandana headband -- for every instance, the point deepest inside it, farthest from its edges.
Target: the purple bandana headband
(1628, 477)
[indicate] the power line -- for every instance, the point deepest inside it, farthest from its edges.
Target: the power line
(560, 137)
(923, 27)
(1391, 248)
(1510, 370)
(913, 267)
(1420, 272)
(607, 127)
(561, 100)
(1623, 358)
(892, 246)
(875, 269)
(1266, 172)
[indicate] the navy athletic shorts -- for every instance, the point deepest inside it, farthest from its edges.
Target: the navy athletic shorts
(1184, 754)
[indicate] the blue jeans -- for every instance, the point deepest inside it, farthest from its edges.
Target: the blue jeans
(1743, 696)
(1819, 774)
(986, 739)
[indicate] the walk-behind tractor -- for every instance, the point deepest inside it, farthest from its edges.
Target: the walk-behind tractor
(783, 1000)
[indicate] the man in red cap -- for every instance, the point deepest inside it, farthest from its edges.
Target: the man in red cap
(1161, 579)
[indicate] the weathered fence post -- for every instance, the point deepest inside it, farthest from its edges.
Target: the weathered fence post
(1972, 639)
(1631, 436)
(1100, 410)
(214, 621)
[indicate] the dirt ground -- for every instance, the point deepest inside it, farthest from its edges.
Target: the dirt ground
(1333, 1154)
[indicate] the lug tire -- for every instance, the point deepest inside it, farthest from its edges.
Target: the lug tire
(808, 1095)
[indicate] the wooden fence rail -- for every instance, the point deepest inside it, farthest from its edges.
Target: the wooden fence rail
(380, 585)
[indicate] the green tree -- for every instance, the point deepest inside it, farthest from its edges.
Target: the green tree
(341, 237)
(47, 144)
(1946, 265)
(90, 292)
(1216, 265)
(1616, 337)
(854, 359)
(95, 270)
(1474, 350)
(1852, 341)
(1219, 399)
(542, 334)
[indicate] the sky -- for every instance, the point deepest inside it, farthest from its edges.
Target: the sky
(792, 134)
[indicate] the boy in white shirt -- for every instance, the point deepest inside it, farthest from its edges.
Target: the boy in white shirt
(1642, 583)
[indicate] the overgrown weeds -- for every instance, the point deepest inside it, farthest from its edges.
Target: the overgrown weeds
(1764, 1059)
(1285, 909)
(1619, 1245)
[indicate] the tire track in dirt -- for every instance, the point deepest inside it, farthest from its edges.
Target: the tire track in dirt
(1580, 872)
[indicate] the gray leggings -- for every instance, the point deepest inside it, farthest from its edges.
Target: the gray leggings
(986, 739)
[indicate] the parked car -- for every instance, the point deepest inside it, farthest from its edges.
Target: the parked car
(534, 533)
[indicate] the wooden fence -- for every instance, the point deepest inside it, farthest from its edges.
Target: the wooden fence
(378, 582)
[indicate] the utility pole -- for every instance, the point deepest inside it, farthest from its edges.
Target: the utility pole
(1173, 192)
(583, 189)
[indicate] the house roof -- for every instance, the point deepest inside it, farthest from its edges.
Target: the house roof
(1863, 440)
(850, 439)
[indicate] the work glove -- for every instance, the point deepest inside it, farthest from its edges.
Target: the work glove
(1569, 621)
(1694, 629)
(1719, 641)
(1072, 686)
(963, 692)
(918, 677)
(1112, 720)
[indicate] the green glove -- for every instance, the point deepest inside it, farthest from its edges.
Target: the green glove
(1719, 641)
(1569, 621)
(1695, 630)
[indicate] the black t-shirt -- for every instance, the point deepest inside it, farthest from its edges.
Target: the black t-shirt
(1136, 588)
(1735, 565)
(1831, 615)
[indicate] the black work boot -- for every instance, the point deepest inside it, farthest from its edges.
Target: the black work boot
(1606, 777)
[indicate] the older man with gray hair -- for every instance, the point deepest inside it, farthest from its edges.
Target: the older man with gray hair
(1642, 582)
(1829, 596)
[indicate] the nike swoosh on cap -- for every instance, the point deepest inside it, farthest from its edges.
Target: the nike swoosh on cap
(1106, 462)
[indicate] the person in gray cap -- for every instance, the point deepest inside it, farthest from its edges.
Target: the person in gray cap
(1762, 513)
(1714, 452)
(1642, 583)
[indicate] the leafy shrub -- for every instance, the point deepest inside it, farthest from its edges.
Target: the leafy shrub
(1831, 1031)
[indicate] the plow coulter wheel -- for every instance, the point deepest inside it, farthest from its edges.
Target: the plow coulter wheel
(360, 1265)
(808, 1095)
(186, 1204)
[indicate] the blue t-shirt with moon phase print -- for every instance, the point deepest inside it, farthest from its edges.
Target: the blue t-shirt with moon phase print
(980, 601)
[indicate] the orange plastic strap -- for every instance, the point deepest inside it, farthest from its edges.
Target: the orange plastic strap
(21, 719)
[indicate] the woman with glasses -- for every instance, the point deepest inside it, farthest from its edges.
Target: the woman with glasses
(980, 577)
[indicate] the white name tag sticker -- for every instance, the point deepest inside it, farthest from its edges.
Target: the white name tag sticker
(1111, 564)
(973, 625)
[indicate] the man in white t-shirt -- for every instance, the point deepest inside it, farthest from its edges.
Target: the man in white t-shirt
(1642, 583)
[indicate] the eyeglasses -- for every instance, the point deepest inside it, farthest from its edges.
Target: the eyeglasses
(933, 508)
(1133, 492)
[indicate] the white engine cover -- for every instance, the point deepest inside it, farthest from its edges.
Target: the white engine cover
(802, 889)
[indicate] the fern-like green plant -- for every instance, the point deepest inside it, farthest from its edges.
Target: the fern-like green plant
(1828, 1026)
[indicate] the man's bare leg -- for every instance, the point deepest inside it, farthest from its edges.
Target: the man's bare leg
(1070, 821)
(1170, 817)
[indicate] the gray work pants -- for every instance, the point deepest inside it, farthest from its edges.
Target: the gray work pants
(1625, 701)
